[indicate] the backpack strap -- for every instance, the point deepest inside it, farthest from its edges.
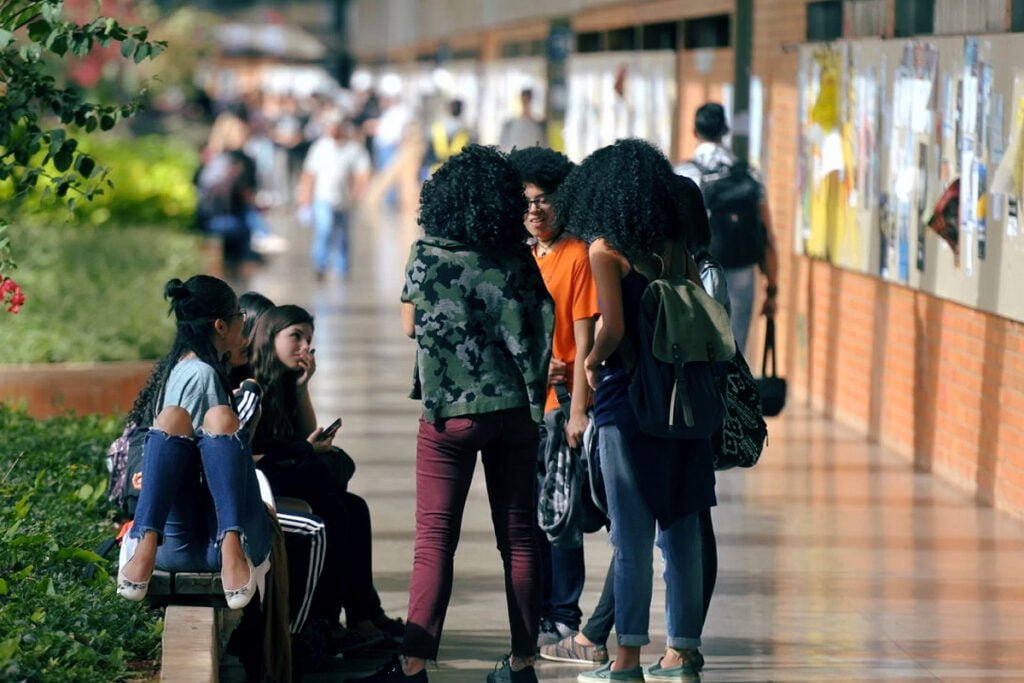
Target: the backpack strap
(563, 396)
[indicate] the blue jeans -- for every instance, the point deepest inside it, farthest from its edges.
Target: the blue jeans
(193, 512)
(633, 537)
(330, 237)
(740, 282)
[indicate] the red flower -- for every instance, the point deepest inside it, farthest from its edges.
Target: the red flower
(11, 294)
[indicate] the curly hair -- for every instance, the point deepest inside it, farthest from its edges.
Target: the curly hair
(541, 166)
(624, 194)
(475, 198)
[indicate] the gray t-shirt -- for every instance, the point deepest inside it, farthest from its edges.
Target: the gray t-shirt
(194, 386)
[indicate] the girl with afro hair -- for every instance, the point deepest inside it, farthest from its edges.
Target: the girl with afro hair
(622, 201)
(477, 307)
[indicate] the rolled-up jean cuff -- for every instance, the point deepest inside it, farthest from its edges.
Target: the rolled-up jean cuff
(630, 640)
(683, 643)
(137, 532)
(241, 537)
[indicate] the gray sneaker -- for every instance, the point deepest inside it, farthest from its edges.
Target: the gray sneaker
(605, 673)
(552, 632)
(568, 650)
(687, 670)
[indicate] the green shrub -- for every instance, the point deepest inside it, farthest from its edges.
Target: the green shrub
(95, 294)
(56, 624)
(152, 184)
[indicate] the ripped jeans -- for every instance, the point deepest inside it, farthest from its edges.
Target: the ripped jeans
(194, 490)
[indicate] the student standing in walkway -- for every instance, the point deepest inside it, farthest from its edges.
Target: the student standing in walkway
(713, 160)
(621, 200)
(482, 319)
(563, 263)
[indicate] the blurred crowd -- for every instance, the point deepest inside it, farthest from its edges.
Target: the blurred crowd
(279, 150)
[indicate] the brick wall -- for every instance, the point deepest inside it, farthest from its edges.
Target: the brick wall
(936, 381)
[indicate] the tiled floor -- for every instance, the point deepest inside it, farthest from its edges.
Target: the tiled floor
(837, 560)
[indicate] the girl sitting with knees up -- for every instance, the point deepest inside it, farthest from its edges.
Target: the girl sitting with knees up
(300, 461)
(199, 506)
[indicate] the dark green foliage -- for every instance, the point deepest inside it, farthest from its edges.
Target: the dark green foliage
(96, 293)
(55, 623)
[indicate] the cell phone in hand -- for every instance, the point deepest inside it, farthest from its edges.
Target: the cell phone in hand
(330, 429)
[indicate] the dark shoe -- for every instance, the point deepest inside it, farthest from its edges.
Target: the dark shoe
(391, 672)
(394, 628)
(568, 650)
(503, 673)
(347, 640)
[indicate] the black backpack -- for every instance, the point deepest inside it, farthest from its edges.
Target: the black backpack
(124, 461)
(732, 196)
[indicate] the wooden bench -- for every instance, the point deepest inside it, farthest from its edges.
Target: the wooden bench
(196, 624)
(197, 621)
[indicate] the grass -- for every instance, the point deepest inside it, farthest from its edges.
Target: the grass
(94, 293)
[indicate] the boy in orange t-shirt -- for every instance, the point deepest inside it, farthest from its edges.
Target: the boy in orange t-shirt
(565, 267)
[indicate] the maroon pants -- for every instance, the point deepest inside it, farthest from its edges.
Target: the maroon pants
(445, 460)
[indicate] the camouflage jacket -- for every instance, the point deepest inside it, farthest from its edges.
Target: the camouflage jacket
(483, 329)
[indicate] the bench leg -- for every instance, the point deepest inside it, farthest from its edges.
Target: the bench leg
(191, 646)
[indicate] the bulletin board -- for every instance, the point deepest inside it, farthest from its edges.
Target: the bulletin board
(617, 95)
(912, 164)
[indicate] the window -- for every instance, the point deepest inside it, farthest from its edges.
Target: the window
(824, 20)
(659, 36)
(622, 39)
(915, 17)
(707, 32)
(589, 42)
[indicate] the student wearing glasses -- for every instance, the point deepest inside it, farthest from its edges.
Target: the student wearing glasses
(564, 265)
(199, 502)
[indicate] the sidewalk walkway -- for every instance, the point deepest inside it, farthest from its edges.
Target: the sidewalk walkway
(837, 561)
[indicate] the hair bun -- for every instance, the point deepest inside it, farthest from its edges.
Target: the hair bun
(175, 290)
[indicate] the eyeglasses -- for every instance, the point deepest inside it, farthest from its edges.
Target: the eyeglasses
(540, 201)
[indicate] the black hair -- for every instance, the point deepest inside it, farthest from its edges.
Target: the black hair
(623, 193)
(280, 407)
(476, 197)
(692, 212)
(709, 122)
(542, 167)
(196, 304)
(455, 108)
(253, 304)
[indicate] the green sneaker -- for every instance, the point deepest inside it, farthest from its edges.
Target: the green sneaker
(605, 673)
(688, 670)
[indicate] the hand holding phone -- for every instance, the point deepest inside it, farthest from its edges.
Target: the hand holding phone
(331, 429)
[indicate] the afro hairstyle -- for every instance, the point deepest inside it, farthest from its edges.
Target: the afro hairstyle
(476, 198)
(542, 167)
(625, 194)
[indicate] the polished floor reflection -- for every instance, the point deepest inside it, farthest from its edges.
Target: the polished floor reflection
(837, 560)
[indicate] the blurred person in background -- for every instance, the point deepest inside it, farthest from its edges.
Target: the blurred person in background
(448, 135)
(522, 131)
(334, 178)
(388, 135)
